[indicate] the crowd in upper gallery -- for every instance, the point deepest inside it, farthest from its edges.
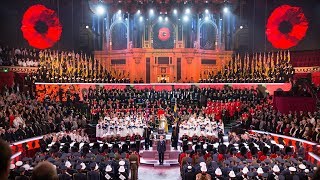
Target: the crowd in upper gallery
(19, 57)
(262, 68)
(66, 67)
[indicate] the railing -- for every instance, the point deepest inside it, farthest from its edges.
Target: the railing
(19, 148)
(312, 149)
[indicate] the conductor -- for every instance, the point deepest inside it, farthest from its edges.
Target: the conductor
(161, 148)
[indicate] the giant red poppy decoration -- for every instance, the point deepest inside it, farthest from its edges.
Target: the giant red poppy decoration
(41, 27)
(286, 26)
(164, 34)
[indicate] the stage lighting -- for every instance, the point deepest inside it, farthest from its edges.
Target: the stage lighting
(119, 12)
(206, 11)
(225, 9)
(241, 27)
(139, 11)
(100, 10)
(119, 17)
(166, 18)
(151, 11)
(206, 18)
(175, 11)
(87, 27)
(185, 18)
(140, 18)
(160, 18)
(188, 11)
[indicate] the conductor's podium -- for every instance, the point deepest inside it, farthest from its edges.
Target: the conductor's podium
(151, 157)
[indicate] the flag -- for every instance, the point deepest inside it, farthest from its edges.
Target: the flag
(175, 112)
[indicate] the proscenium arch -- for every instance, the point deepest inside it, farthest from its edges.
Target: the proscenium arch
(127, 33)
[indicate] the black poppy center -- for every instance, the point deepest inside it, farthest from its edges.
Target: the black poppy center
(41, 27)
(285, 27)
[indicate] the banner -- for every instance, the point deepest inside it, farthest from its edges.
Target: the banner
(286, 104)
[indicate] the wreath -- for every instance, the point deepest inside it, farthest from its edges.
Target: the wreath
(41, 27)
(286, 26)
(164, 34)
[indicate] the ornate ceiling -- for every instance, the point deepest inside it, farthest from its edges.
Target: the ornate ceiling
(163, 6)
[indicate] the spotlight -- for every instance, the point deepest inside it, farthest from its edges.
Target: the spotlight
(241, 27)
(100, 10)
(138, 12)
(188, 11)
(206, 18)
(185, 18)
(87, 27)
(220, 19)
(119, 12)
(225, 9)
(151, 11)
(119, 17)
(175, 11)
(140, 18)
(166, 18)
(206, 11)
(160, 18)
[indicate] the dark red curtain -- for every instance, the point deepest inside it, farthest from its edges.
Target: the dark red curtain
(6, 78)
(316, 78)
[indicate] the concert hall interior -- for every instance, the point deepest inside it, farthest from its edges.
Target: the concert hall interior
(160, 89)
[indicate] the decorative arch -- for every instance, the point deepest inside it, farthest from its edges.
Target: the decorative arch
(119, 35)
(208, 35)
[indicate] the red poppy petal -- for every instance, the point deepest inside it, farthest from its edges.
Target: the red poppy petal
(41, 13)
(296, 17)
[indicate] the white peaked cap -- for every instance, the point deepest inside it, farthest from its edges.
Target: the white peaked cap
(292, 169)
(232, 174)
(276, 168)
(260, 171)
(245, 170)
(122, 163)
(218, 172)
(19, 163)
(302, 166)
(203, 169)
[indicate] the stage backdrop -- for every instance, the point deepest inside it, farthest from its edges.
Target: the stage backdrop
(58, 91)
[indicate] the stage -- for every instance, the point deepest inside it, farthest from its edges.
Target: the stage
(54, 89)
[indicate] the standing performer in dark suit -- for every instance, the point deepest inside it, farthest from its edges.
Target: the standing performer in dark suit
(161, 148)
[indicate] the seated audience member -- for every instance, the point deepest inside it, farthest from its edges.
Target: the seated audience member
(44, 170)
(5, 157)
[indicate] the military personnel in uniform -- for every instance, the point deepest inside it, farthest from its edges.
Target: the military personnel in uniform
(94, 174)
(122, 174)
(190, 174)
(22, 175)
(203, 175)
(64, 175)
(146, 135)
(79, 175)
(134, 165)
